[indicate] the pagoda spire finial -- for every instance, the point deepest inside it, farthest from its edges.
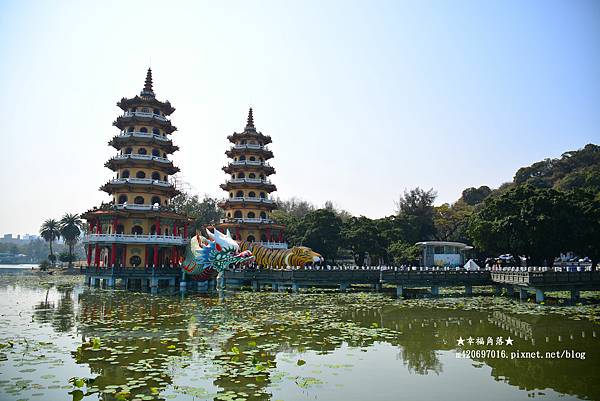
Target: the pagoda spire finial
(250, 122)
(147, 91)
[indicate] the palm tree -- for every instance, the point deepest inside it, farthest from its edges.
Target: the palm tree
(50, 232)
(70, 229)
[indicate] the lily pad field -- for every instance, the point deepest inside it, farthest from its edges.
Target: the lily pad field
(60, 340)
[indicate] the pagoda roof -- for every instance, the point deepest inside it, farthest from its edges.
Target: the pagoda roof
(141, 117)
(132, 160)
(133, 138)
(146, 98)
(109, 210)
(245, 149)
(141, 101)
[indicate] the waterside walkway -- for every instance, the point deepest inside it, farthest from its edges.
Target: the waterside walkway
(511, 280)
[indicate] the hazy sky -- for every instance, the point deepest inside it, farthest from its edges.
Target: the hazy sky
(363, 99)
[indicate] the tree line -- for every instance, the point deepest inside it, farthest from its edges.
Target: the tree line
(550, 207)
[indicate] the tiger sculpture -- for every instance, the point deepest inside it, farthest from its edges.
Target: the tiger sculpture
(279, 258)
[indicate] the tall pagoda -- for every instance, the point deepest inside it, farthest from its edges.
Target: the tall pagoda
(248, 205)
(138, 227)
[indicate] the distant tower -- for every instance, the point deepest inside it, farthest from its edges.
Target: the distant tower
(138, 228)
(248, 205)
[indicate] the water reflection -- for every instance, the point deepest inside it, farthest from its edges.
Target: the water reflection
(261, 346)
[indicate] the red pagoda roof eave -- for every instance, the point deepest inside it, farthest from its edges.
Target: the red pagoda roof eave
(91, 214)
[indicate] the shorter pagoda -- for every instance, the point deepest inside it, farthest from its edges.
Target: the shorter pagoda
(249, 205)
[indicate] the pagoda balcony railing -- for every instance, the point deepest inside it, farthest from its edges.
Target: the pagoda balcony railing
(134, 206)
(146, 181)
(250, 146)
(250, 163)
(135, 239)
(248, 199)
(247, 180)
(135, 156)
(145, 115)
(143, 135)
(247, 220)
(273, 245)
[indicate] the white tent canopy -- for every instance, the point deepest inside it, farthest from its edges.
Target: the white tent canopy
(471, 265)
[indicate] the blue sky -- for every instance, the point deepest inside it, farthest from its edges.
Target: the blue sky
(363, 99)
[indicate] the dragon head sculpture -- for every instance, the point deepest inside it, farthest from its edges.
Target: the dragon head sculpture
(217, 252)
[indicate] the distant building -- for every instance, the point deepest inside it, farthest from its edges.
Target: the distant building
(443, 253)
(18, 240)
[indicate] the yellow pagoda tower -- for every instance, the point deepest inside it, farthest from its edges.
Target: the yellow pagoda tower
(248, 205)
(138, 227)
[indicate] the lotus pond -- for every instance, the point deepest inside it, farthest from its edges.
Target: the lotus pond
(60, 340)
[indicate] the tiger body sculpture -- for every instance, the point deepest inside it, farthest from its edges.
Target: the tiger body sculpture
(280, 258)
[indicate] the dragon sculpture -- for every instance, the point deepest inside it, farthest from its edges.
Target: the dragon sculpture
(279, 258)
(206, 257)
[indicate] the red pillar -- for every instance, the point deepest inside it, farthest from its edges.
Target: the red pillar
(185, 230)
(113, 254)
(99, 227)
(155, 256)
(157, 223)
(268, 234)
(173, 256)
(114, 225)
(89, 255)
(280, 236)
(175, 229)
(237, 234)
(97, 256)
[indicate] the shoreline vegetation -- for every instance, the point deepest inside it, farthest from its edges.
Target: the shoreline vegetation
(526, 218)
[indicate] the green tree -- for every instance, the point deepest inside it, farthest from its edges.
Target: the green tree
(361, 235)
(204, 212)
(70, 229)
(404, 253)
(525, 221)
(473, 196)
(294, 207)
(50, 232)
(451, 221)
(415, 215)
(586, 222)
(322, 232)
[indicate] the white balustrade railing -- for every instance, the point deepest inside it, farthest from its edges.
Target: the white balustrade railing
(136, 156)
(246, 220)
(135, 238)
(250, 146)
(248, 180)
(250, 163)
(133, 206)
(248, 199)
(274, 245)
(143, 135)
(145, 115)
(145, 181)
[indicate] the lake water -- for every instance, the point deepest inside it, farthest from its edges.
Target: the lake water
(60, 340)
